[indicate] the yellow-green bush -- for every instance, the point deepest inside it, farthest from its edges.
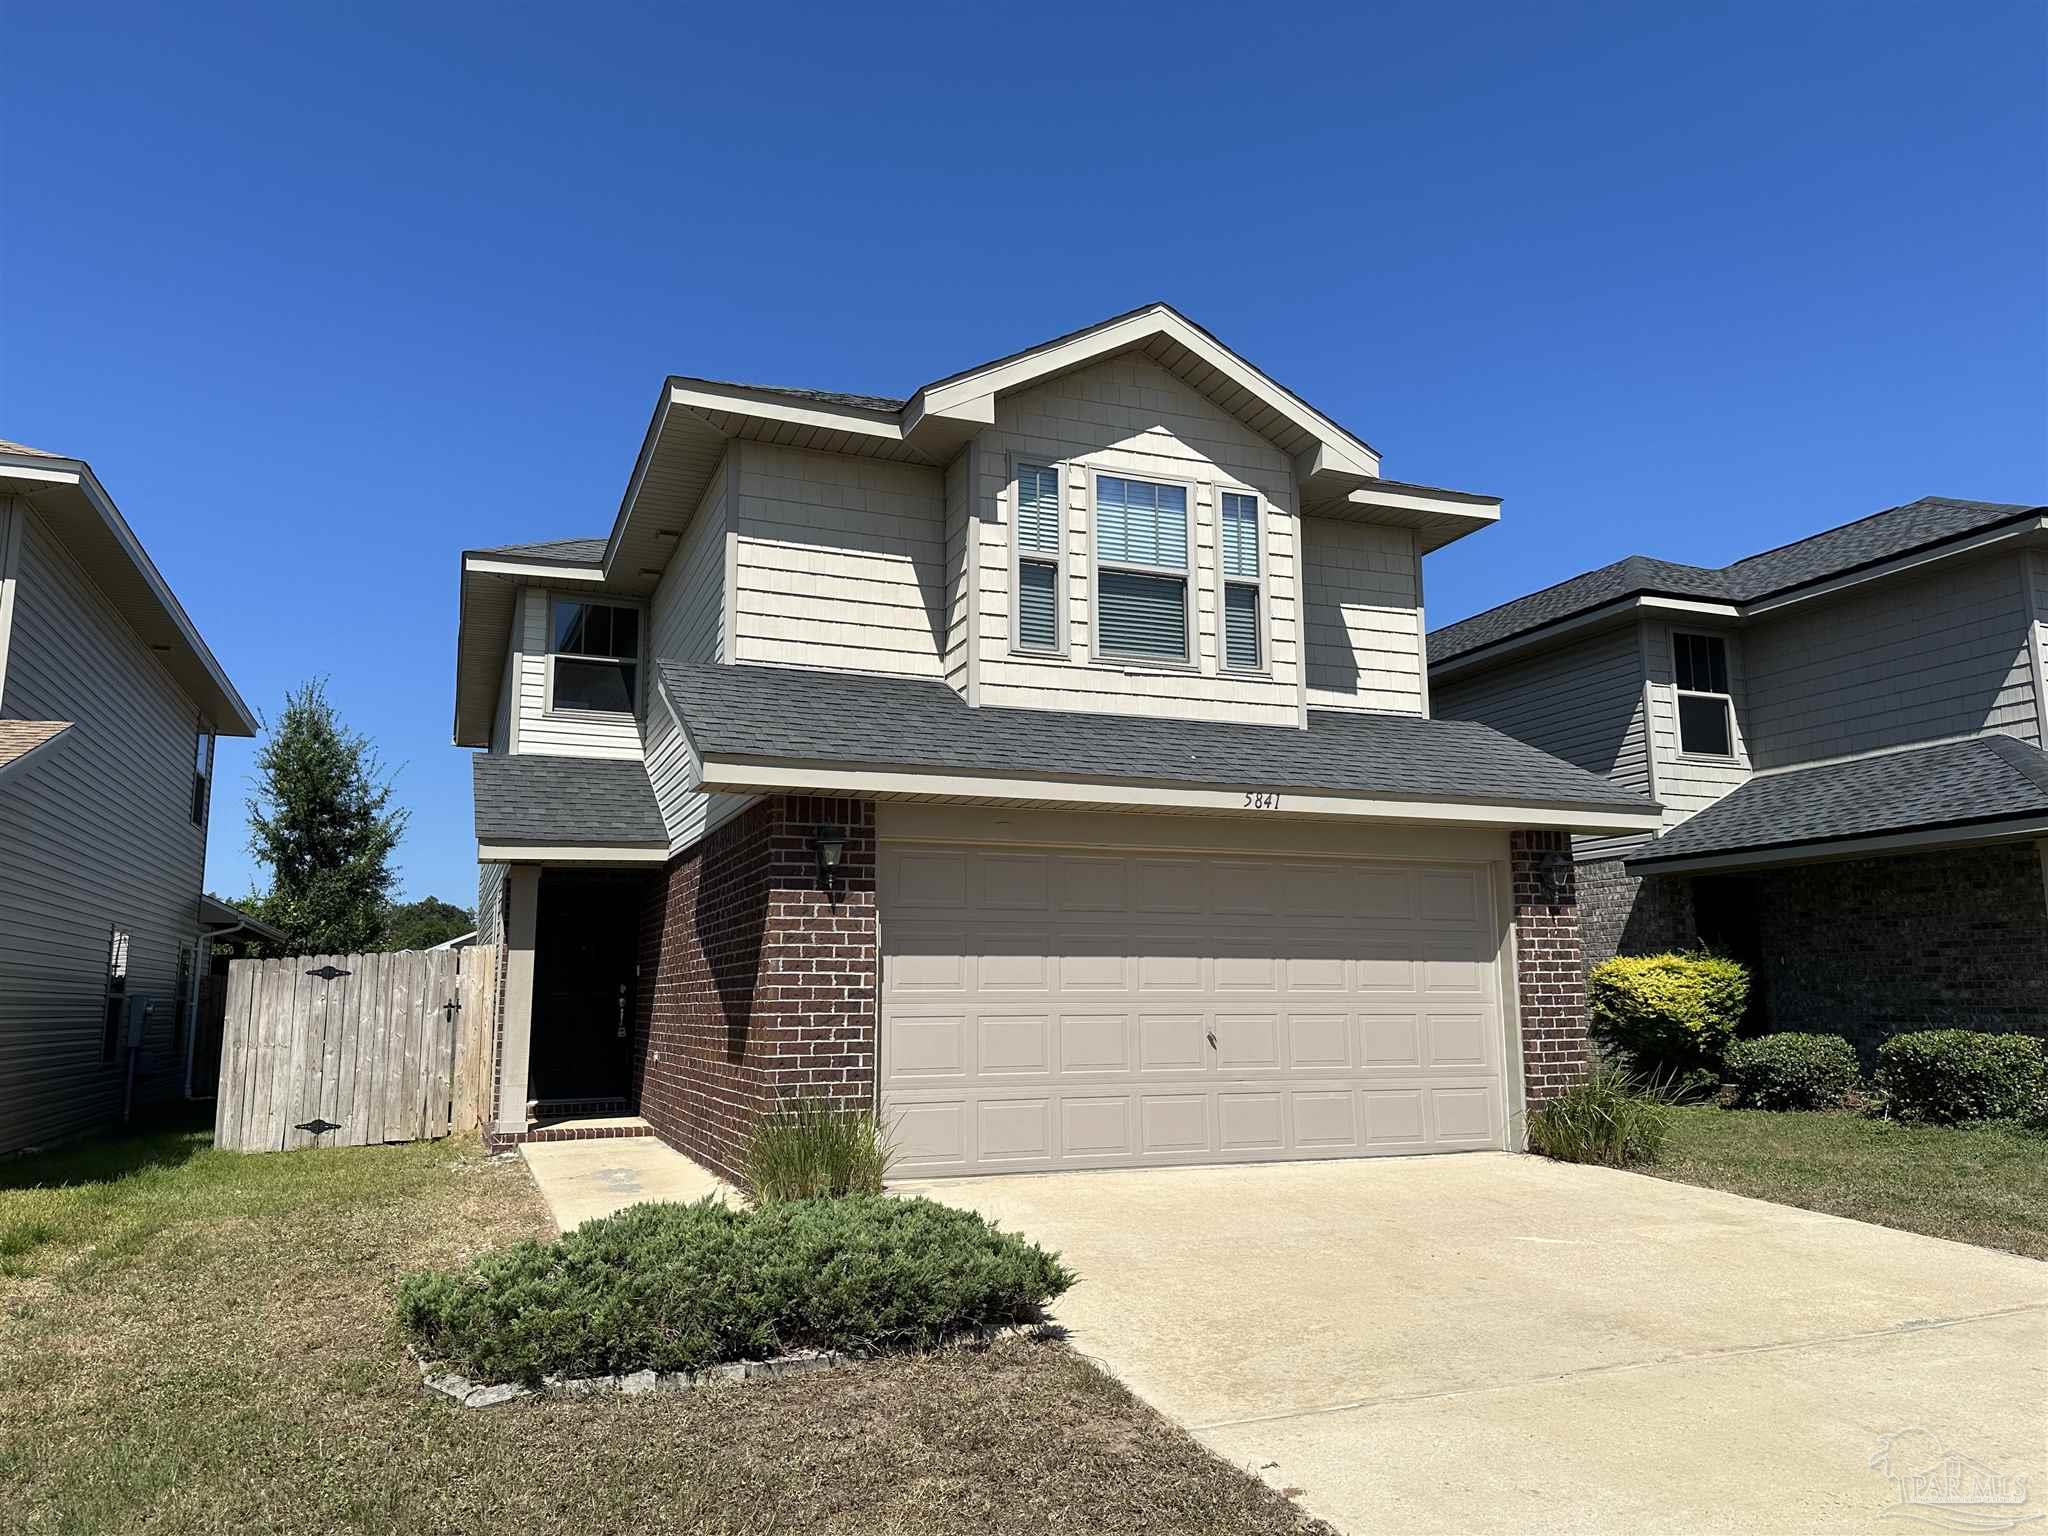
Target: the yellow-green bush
(1667, 1015)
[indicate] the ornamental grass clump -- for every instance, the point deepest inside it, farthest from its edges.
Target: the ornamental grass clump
(1670, 1017)
(669, 1287)
(1609, 1118)
(813, 1149)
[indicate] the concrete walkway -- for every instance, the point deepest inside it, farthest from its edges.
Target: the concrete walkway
(583, 1179)
(1489, 1343)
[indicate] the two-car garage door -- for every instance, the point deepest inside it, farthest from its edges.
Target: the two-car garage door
(1052, 1008)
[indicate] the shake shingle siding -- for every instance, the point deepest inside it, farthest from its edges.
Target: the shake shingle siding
(1944, 655)
(99, 836)
(1361, 604)
(1582, 702)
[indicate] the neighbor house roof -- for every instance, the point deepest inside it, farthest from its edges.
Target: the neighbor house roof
(838, 721)
(1920, 525)
(20, 738)
(68, 497)
(1954, 786)
(568, 551)
(565, 801)
(222, 919)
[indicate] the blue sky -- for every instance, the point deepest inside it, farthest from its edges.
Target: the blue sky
(329, 293)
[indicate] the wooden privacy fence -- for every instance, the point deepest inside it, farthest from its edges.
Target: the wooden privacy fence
(353, 1050)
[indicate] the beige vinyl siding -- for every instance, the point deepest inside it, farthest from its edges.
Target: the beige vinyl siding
(1361, 602)
(563, 734)
(1582, 702)
(99, 834)
(839, 562)
(508, 689)
(686, 621)
(1686, 784)
(961, 531)
(1937, 656)
(1128, 416)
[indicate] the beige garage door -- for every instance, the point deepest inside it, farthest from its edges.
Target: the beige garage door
(1079, 1009)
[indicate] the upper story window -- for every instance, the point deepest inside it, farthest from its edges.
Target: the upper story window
(202, 773)
(596, 657)
(1706, 712)
(1038, 558)
(1238, 542)
(1141, 569)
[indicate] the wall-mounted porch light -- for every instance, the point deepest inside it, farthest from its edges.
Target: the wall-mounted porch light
(830, 843)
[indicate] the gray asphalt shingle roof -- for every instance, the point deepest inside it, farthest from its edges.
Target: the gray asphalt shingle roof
(1883, 535)
(573, 551)
(849, 719)
(821, 396)
(1987, 778)
(526, 798)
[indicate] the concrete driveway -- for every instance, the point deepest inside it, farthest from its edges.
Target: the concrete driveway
(1497, 1343)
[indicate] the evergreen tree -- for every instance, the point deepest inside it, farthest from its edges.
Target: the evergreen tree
(424, 923)
(321, 818)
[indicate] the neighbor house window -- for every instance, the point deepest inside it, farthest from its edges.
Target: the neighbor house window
(202, 773)
(1243, 647)
(1706, 715)
(117, 992)
(596, 657)
(1141, 569)
(1038, 558)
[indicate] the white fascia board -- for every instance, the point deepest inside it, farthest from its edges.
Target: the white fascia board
(571, 853)
(1835, 849)
(1346, 451)
(76, 472)
(531, 570)
(746, 776)
(694, 395)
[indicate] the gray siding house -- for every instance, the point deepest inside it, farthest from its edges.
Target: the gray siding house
(109, 705)
(1044, 757)
(1845, 735)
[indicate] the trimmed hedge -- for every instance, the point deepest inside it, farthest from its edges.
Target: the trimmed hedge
(1605, 1118)
(1667, 1015)
(677, 1287)
(1950, 1075)
(1792, 1071)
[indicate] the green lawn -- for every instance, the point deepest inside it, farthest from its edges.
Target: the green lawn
(1985, 1186)
(193, 1340)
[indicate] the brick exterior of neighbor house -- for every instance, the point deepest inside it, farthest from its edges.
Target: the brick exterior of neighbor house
(758, 986)
(1550, 975)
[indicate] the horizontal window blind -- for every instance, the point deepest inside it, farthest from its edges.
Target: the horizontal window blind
(1240, 534)
(1038, 509)
(1138, 615)
(1037, 604)
(1241, 626)
(1139, 523)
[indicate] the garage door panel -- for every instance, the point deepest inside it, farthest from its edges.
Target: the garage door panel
(1080, 1009)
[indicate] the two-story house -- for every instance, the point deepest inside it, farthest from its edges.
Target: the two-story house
(1845, 735)
(1045, 758)
(109, 705)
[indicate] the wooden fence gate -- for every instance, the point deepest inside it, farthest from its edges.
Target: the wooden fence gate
(353, 1050)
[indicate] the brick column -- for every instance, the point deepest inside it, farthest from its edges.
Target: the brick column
(758, 984)
(1550, 979)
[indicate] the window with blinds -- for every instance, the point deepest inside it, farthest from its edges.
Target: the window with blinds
(1141, 569)
(1038, 557)
(1238, 551)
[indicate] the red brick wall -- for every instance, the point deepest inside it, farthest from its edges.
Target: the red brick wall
(1550, 976)
(762, 983)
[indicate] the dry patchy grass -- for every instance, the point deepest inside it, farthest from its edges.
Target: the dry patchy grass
(194, 1341)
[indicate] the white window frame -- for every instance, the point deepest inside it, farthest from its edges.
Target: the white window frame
(1726, 699)
(1225, 582)
(1188, 661)
(1057, 560)
(639, 660)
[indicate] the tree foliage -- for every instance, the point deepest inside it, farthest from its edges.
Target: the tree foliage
(424, 923)
(321, 818)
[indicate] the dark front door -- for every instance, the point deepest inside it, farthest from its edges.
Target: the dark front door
(585, 949)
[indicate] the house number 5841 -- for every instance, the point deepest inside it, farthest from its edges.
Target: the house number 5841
(1261, 800)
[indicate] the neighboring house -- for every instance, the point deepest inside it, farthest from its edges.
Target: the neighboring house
(1846, 736)
(109, 705)
(1046, 758)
